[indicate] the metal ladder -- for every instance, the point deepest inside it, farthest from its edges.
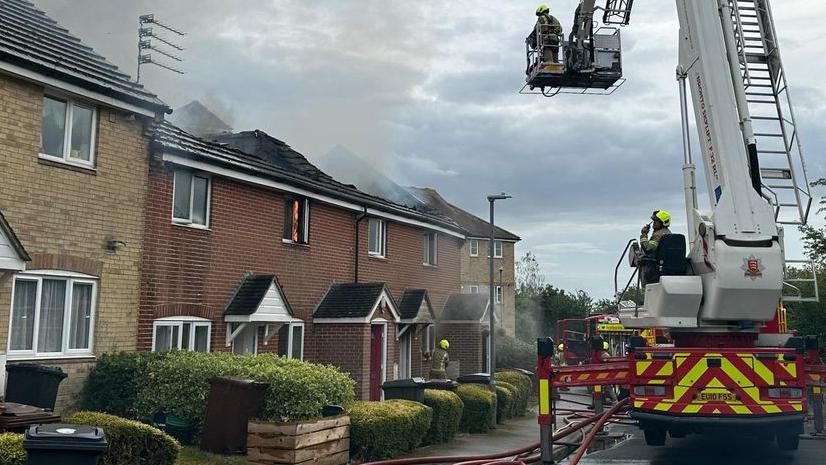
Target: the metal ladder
(782, 168)
(617, 12)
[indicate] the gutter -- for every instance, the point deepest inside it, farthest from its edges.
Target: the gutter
(359, 218)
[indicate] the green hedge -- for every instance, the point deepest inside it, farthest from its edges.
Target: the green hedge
(177, 383)
(447, 414)
(382, 430)
(130, 442)
(505, 395)
(478, 402)
(524, 389)
(114, 383)
(11, 449)
(513, 353)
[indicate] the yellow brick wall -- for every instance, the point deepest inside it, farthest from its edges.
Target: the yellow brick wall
(475, 272)
(71, 212)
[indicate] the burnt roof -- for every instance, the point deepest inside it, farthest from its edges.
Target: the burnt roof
(5, 227)
(250, 292)
(274, 159)
(411, 304)
(464, 307)
(31, 39)
(351, 300)
(475, 226)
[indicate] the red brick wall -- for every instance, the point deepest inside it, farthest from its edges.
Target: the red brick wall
(465, 345)
(200, 268)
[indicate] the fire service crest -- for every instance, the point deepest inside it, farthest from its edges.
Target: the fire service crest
(753, 267)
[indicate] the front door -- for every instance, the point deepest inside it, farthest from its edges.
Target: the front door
(376, 360)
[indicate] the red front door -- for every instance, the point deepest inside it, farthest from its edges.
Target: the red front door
(376, 363)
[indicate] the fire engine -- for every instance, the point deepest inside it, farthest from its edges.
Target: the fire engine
(717, 292)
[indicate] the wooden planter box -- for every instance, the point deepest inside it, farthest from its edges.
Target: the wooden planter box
(320, 442)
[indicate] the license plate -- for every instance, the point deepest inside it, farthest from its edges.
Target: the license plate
(717, 397)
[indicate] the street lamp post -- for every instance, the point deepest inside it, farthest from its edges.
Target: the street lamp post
(492, 296)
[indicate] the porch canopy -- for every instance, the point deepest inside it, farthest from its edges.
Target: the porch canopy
(355, 303)
(258, 300)
(13, 256)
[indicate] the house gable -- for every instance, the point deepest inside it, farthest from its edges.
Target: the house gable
(355, 303)
(12, 254)
(259, 298)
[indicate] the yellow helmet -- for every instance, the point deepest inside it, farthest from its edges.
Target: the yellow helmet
(663, 217)
(444, 344)
(542, 9)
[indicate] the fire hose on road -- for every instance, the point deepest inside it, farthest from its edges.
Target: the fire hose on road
(524, 455)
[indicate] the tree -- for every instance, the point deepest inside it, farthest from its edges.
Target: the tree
(529, 278)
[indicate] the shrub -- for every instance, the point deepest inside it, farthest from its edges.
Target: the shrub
(381, 430)
(130, 442)
(114, 383)
(447, 414)
(524, 389)
(478, 402)
(178, 384)
(513, 353)
(504, 401)
(11, 449)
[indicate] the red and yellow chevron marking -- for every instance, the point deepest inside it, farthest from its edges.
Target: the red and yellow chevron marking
(739, 376)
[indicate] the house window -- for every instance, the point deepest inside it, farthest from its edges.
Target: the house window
(291, 340)
(52, 315)
(405, 355)
(497, 249)
(377, 230)
(429, 338)
(181, 333)
(190, 199)
(68, 132)
(296, 220)
(430, 248)
(499, 295)
(474, 289)
(474, 247)
(246, 342)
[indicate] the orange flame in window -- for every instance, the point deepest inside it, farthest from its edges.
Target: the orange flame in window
(296, 207)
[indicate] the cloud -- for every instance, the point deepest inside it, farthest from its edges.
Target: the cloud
(431, 89)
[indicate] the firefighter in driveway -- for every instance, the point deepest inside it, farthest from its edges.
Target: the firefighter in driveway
(439, 361)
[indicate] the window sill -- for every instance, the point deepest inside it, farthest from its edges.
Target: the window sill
(50, 357)
(49, 160)
(428, 265)
(295, 244)
(191, 226)
(377, 257)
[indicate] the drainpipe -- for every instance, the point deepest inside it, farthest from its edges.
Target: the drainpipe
(359, 219)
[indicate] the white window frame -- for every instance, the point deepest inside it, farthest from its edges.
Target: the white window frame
(406, 355)
(71, 278)
(305, 232)
(188, 221)
(67, 133)
(179, 321)
(429, 338)
(473, 289)
(474, 247)
(426, 246)
(382, 239)
(499, 295)
(250, 327)
(291, 342)
(501, 247)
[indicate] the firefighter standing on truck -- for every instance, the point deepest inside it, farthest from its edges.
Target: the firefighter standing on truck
(439, 361)
(660, 221)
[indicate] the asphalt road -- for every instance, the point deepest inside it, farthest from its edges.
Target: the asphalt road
(705, 450)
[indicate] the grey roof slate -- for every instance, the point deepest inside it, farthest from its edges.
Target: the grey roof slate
(250, 292)
(464, 307)
(13, 239)
(475, 226)
(349, 300)
(274, 159)
(411, 304)
(31, 39)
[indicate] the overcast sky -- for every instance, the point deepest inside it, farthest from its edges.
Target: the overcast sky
(428, 92)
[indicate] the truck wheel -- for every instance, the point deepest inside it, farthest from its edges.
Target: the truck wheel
(788, 441)
(655, 437)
